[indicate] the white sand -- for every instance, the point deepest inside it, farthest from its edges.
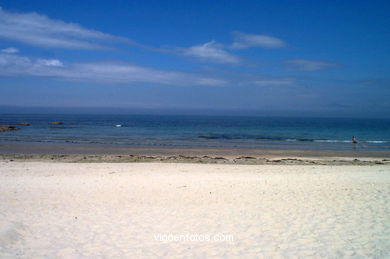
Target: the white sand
(114, 210)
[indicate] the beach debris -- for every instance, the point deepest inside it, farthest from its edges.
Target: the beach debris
(8, 128)
(246, 157)
(187, 157)
(275, 161)
(57, 123)
(25, 124)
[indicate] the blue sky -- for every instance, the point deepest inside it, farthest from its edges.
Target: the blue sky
(319, 58)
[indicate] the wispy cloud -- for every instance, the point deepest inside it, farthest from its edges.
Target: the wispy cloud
(274, 82)
(244, 40)
(211, 51)
(17, 65)
(217, 53)
(309, 65)
(50, 62)
(10, 50)
(40, 30)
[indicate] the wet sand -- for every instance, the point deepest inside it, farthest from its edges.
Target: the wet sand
(116, 153)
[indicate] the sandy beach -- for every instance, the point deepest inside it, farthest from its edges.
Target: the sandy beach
(177, 210)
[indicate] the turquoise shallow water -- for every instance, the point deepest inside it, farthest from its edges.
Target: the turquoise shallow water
(202, 131)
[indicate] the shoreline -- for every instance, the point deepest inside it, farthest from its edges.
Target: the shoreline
(114, 153)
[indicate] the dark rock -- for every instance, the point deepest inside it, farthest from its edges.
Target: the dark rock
(57, 123)
(25, 124)
(8, 128)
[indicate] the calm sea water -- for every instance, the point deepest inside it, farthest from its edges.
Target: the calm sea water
(202, 131)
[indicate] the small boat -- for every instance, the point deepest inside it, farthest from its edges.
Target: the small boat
(118, 125)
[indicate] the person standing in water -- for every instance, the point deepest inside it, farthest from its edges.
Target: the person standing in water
(354, 140)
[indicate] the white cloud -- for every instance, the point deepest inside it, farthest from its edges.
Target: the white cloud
(40, 30)
(309, 65)
(10, 50)
(243, 41)
(50, 62)
(126, 73)
(274, 82)
(16, 65)
(211, 51)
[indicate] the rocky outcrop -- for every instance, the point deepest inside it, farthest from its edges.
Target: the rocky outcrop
(57, 123)
(8, 128)
(25, 124)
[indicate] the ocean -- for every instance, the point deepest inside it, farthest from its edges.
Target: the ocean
(201, 131)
